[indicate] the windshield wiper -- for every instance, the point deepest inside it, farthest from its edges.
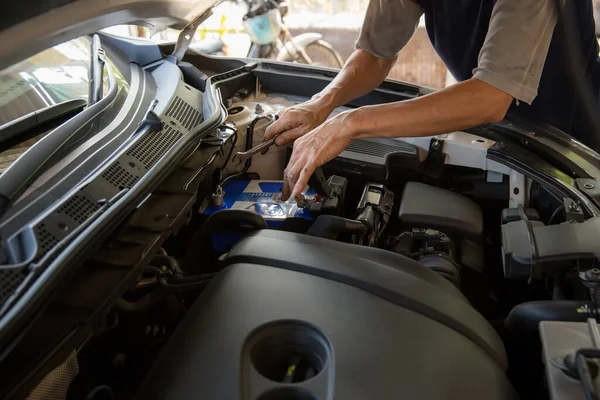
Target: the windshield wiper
(38, 122)
(96, 74)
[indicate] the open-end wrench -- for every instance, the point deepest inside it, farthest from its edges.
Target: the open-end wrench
(242, 156)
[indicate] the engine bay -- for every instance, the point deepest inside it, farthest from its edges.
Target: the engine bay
(366, 197)
(402, 261)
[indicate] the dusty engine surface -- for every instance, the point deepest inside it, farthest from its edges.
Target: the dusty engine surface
(241, 113)
(330, 207)
(300, 317)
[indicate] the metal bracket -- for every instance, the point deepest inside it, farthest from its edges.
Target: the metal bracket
(573, 211)
(518, 190)
(434, 164)
(219, 136)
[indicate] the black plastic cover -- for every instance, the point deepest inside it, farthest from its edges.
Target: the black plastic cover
(362, 317)
(514, 214)
(375, 158)
(424, 206)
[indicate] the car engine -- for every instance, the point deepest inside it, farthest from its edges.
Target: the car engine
(422, 239)
(406, 266)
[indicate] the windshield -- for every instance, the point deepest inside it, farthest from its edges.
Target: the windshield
(55, 75)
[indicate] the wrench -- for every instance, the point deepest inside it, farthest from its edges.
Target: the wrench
(242, 156)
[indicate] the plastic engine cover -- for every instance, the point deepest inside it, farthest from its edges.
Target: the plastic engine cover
(261, 332)
(425, 206)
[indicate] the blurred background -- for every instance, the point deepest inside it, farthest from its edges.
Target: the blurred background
(61, 73)
(338, 21)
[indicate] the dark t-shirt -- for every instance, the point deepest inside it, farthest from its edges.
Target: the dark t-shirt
(509, 44)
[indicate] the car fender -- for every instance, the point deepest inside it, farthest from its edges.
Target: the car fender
(298, 42)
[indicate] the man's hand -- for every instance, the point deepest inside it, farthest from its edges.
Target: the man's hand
(297, 121)
(362, 73)
(313, 150)
(461, 106)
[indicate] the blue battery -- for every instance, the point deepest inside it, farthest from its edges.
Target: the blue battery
(262, 197)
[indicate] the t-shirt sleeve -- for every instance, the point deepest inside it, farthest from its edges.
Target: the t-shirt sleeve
(388, 26)
(514, 52)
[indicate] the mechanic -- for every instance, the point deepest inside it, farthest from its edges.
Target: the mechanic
(502, 52)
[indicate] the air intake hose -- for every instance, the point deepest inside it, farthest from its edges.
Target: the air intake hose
(330, 227)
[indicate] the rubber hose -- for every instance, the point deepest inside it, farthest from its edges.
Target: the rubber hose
(443, 265)
(330, 226)
(100, 392)
(184, 287)
(169, 261)
(525, 318)
(219, 221)
(144, 303)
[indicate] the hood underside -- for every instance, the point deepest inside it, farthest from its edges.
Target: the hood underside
(30, 26)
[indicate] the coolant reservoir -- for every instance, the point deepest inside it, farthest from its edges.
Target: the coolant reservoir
(268, 166)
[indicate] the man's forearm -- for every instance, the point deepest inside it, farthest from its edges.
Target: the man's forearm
(360, 75)
(461, 106)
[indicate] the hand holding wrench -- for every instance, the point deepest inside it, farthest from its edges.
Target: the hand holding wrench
(242, 156)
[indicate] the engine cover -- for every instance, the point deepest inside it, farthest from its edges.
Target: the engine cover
(425, 206)
(299, 317)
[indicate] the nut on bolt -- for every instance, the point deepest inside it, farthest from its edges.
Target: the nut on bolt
(217, 197)
(593, 274)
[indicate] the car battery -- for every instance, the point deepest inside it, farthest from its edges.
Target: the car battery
(264, 198)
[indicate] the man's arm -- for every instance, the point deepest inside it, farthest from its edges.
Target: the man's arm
(460, 106)
(510, 66)
(361, 74)
(388, 26)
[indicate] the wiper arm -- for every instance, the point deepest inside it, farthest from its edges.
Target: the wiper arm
(96, 74)
(37, 122)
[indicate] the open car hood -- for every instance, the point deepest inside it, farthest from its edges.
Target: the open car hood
(30, 26)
